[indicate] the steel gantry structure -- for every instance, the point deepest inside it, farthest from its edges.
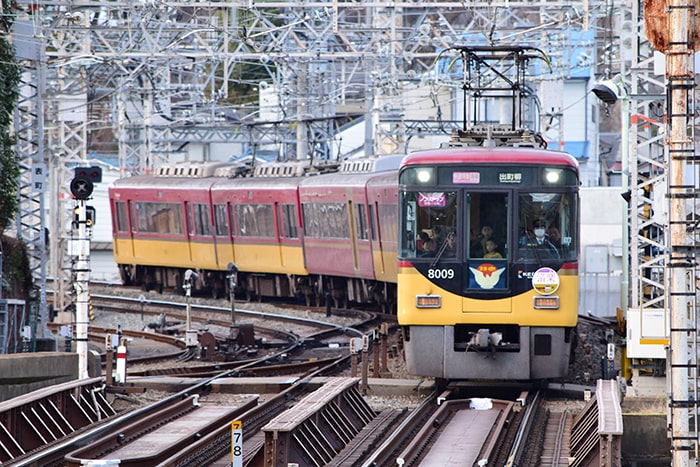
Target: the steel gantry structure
(660, 110)
(151, 79)
(148, 80)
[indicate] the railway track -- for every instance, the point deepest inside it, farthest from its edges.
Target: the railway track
(317, 421)
(378, 438)
(459, 435)
(267, 338)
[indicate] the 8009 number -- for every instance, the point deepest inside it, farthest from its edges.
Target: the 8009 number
(441, 273)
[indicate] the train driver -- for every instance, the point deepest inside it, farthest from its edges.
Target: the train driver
(539, 240)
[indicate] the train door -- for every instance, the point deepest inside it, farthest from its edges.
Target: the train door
(224, 248)
(189, 226)
(354, 234)
(375, 240)
(288, 234)
(123, 234)
(489, 226)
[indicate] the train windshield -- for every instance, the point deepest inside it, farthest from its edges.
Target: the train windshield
(543, 225)
(431, 223)
(547, 226)
(488, 225)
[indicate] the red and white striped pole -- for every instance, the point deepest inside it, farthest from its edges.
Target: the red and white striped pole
(121, 363)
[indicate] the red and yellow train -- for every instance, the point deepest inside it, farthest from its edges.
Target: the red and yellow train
(474, 246)
(496, 296)
(288, 235)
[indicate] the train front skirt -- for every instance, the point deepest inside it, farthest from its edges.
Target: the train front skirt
(438, 351)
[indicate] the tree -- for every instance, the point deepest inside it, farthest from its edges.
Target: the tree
(10, 77)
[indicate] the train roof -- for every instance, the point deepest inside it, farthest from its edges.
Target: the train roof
(160, 182)
(342, 179)
(490, 156)
(372, 164)
(256, 183)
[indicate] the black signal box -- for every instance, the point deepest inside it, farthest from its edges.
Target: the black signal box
(94, 173)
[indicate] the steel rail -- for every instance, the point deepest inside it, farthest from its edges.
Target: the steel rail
(517, 450)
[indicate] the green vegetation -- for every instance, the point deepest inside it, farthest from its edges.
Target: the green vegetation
(9, 92)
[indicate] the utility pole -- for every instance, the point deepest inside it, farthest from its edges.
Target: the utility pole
(81, 187)
(670, 26)
(190, 334)
(681, 190)
(81, 285)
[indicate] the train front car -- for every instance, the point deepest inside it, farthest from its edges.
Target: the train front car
(488, 261)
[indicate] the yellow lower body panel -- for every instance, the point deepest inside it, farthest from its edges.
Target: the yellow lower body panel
(455, 309)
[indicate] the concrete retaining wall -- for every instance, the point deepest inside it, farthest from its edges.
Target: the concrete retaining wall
(23, 373)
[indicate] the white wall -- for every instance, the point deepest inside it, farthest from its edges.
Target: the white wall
(601, 230)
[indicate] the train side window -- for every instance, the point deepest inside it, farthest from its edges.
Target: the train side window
(255, 220)
(266, 220)
(311, 228)
(372, 222)
(287, 213)
(388, 215)
(122, 225)
(339, 227)
(326, 220)
(361, 221)
(134, 216)
(220, 220)
(190, 219)
(165, 218)
(202, 224)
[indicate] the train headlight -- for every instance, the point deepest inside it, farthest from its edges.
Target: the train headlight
(428, 301)
(424, 175)
(552, 175)
(546, 302)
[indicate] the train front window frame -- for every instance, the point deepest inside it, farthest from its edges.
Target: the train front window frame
(430, 218)
(547, 225)
(488, 224)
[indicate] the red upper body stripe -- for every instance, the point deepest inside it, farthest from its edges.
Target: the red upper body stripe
(490, 156)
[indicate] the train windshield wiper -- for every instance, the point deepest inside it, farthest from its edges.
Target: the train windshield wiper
(442, 249)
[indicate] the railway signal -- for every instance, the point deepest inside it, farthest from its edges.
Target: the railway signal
(81, 187)
(232, 271)
(84, 180)
(90, 215)
(190, 334)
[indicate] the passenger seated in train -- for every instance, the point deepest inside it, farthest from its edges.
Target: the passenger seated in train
(554, 236)
(492, 250)
(426, 245)
(478, 247)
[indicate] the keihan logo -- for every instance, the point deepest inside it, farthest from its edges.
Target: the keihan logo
(525, 274)
(487, 275)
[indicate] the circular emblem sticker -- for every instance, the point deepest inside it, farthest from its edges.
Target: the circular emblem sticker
(545, 281)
